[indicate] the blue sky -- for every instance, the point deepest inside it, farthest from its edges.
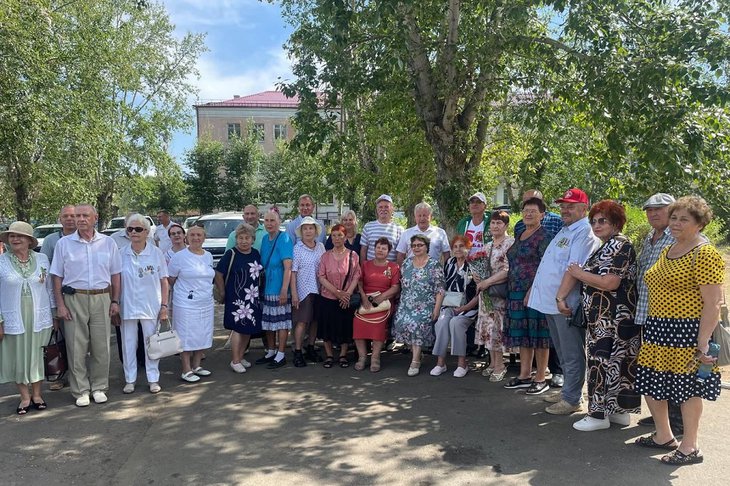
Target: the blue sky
(245, 53)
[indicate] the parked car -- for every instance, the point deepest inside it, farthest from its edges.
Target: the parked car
(40, 232)
(189, 222)
(118, 223)
(217, 228)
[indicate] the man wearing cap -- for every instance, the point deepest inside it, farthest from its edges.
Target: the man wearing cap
(475, 226)
(250, 216)
(306, 208)
(551, 222)
(382, 227)
(556, 294)
(659, 237)
(439, 245)
(86, 272)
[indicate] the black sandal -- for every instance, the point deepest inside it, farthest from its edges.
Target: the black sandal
(328, 362)
(648, 441)
(22, 410)
(39, 405)
(679, 458)
(343, 362)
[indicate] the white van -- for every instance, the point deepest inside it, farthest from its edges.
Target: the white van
(217, 228)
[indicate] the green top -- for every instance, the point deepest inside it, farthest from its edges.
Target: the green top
(260, 232)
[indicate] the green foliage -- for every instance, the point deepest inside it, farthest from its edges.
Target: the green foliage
(148, 194)
(204, 163)
(241, 160)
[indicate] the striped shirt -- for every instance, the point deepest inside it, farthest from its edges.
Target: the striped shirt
(306, 264)
(648, 257)
(375, 230)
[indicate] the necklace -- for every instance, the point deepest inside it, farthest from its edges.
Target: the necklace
(342, 252)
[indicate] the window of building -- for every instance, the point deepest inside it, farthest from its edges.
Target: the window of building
(280, 132)
(234, 130)
(258, 132)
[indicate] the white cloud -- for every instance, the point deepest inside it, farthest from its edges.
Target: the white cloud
(187, 14)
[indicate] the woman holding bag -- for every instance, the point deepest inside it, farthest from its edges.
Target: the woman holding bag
(26, 302)
(339, 273)
(144, 298)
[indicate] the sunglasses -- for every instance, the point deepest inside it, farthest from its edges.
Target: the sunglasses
(600, 221)
(135, 229)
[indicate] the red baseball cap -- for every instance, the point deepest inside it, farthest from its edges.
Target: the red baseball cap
(574, 195)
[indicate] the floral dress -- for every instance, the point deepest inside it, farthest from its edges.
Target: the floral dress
(419, 286)
(242, 306)
(612, 337)
(492, 310)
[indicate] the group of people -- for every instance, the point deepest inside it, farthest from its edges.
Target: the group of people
(568, 292)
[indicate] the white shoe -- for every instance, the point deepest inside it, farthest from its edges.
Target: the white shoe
(414, 370)
(99, 396)
(436, 371)
(623, 419)
(190, 377)
(557, 380)
(128, 388)
(83, 401)
(237, 367)
(245, 363)
(200, 371)
(460, 372)
(155, 388)
(589, 424)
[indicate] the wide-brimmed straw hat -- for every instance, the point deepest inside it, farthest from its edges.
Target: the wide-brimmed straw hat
(19, 228)
(308, 220)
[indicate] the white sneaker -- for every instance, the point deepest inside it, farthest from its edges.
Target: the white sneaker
(237, 367)
(245, 363)
(460, 372)
(589, 424)
(623, 419)
(557, 380)
(200, 371)
(155, 388)
(99, 396)
(128, 388)
(83, 401)
(190, 377)
(437, 370)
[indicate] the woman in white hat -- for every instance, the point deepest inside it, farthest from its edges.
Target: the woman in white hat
(26, 317)
(304, 286)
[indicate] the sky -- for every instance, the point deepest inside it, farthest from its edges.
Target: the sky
(245, 51)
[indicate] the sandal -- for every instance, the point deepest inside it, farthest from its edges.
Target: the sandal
(374, 365)
(498, 376)
(40, 405)
(360, 365)
(648, 441)
(22, 410)
(679, 458)
(487, 372)
(328, 362)
(343, 362)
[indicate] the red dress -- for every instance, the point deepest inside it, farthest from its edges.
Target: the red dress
(376, 279)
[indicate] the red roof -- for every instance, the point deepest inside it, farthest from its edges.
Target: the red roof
(265, 99)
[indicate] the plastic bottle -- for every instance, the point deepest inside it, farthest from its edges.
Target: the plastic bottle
(704, 371)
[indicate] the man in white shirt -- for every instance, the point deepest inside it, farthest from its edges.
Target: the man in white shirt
(86, 272)
(439, 241)
(382, 227)
(306, 208)
(162, 239)
(556, 294)
(475, 226)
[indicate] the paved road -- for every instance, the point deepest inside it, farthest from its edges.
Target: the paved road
(336, 426)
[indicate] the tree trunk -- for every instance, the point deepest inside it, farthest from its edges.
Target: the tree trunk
(454, 184)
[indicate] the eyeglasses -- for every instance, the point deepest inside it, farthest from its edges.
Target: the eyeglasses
(600, 221)
(530, 211)
(135, 229)
(176, 233)
(418, 245)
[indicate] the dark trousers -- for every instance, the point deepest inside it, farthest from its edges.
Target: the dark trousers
(140, 343)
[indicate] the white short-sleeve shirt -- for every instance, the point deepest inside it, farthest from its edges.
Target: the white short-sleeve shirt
(141, 291)
(86, 265)
(194, 273)
(306, 264)
(439, 241)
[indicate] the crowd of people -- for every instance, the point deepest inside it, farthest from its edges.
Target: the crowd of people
(567, 293)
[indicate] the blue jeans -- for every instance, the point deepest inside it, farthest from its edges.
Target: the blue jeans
(570, 344)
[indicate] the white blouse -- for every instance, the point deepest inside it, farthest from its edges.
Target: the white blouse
(11, 286)
(194, 273)
(141, 291)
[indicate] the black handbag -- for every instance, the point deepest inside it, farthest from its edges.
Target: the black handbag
(55, 359)
(497, 290)
(578, 319)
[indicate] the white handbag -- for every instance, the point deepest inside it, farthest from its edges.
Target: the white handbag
(163, 343)
(453, 299)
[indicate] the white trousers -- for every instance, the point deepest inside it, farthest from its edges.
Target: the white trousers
(129, 350)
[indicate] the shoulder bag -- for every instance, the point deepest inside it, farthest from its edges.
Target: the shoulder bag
(262, 273)
(355, 299)
(163, 343)
(721, 335)
(497, 290)
(216, 295)
(55, 359)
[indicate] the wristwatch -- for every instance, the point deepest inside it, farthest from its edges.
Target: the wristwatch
(559, 299)
(115, 302)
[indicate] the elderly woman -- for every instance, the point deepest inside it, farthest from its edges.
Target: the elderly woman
(177, 237)
(609, 305)
(26, 302)
(492, 309)
(339, 273)
(422, 284)
(458, 310)
(379, 281)
(144, 298)
(237, 280)
(685, 290)
(276, 257)
(191, 275)
(304, 284)
(352, 237)
(527, 328)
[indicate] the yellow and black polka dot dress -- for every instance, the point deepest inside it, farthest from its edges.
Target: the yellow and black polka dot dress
(670, 333)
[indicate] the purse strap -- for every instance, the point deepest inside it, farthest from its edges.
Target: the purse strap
(230, 264)
(273, 247)
(347, 275)
(53, 338)
(159, 325)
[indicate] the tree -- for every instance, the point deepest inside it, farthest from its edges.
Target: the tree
(241, 161)
(204, 163)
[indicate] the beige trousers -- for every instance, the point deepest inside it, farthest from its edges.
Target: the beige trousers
(88, 331)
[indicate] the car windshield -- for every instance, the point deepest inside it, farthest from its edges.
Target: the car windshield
(116, 223)
(218, 228)
(43, 232)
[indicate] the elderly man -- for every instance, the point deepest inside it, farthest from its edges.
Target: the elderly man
(475, 226)
(439, 245)
(86, 272)
(250, 216)
(556, 294)
(659, 237)
(382, 227)
(550, 221)
(306, 208)
(161, 237)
